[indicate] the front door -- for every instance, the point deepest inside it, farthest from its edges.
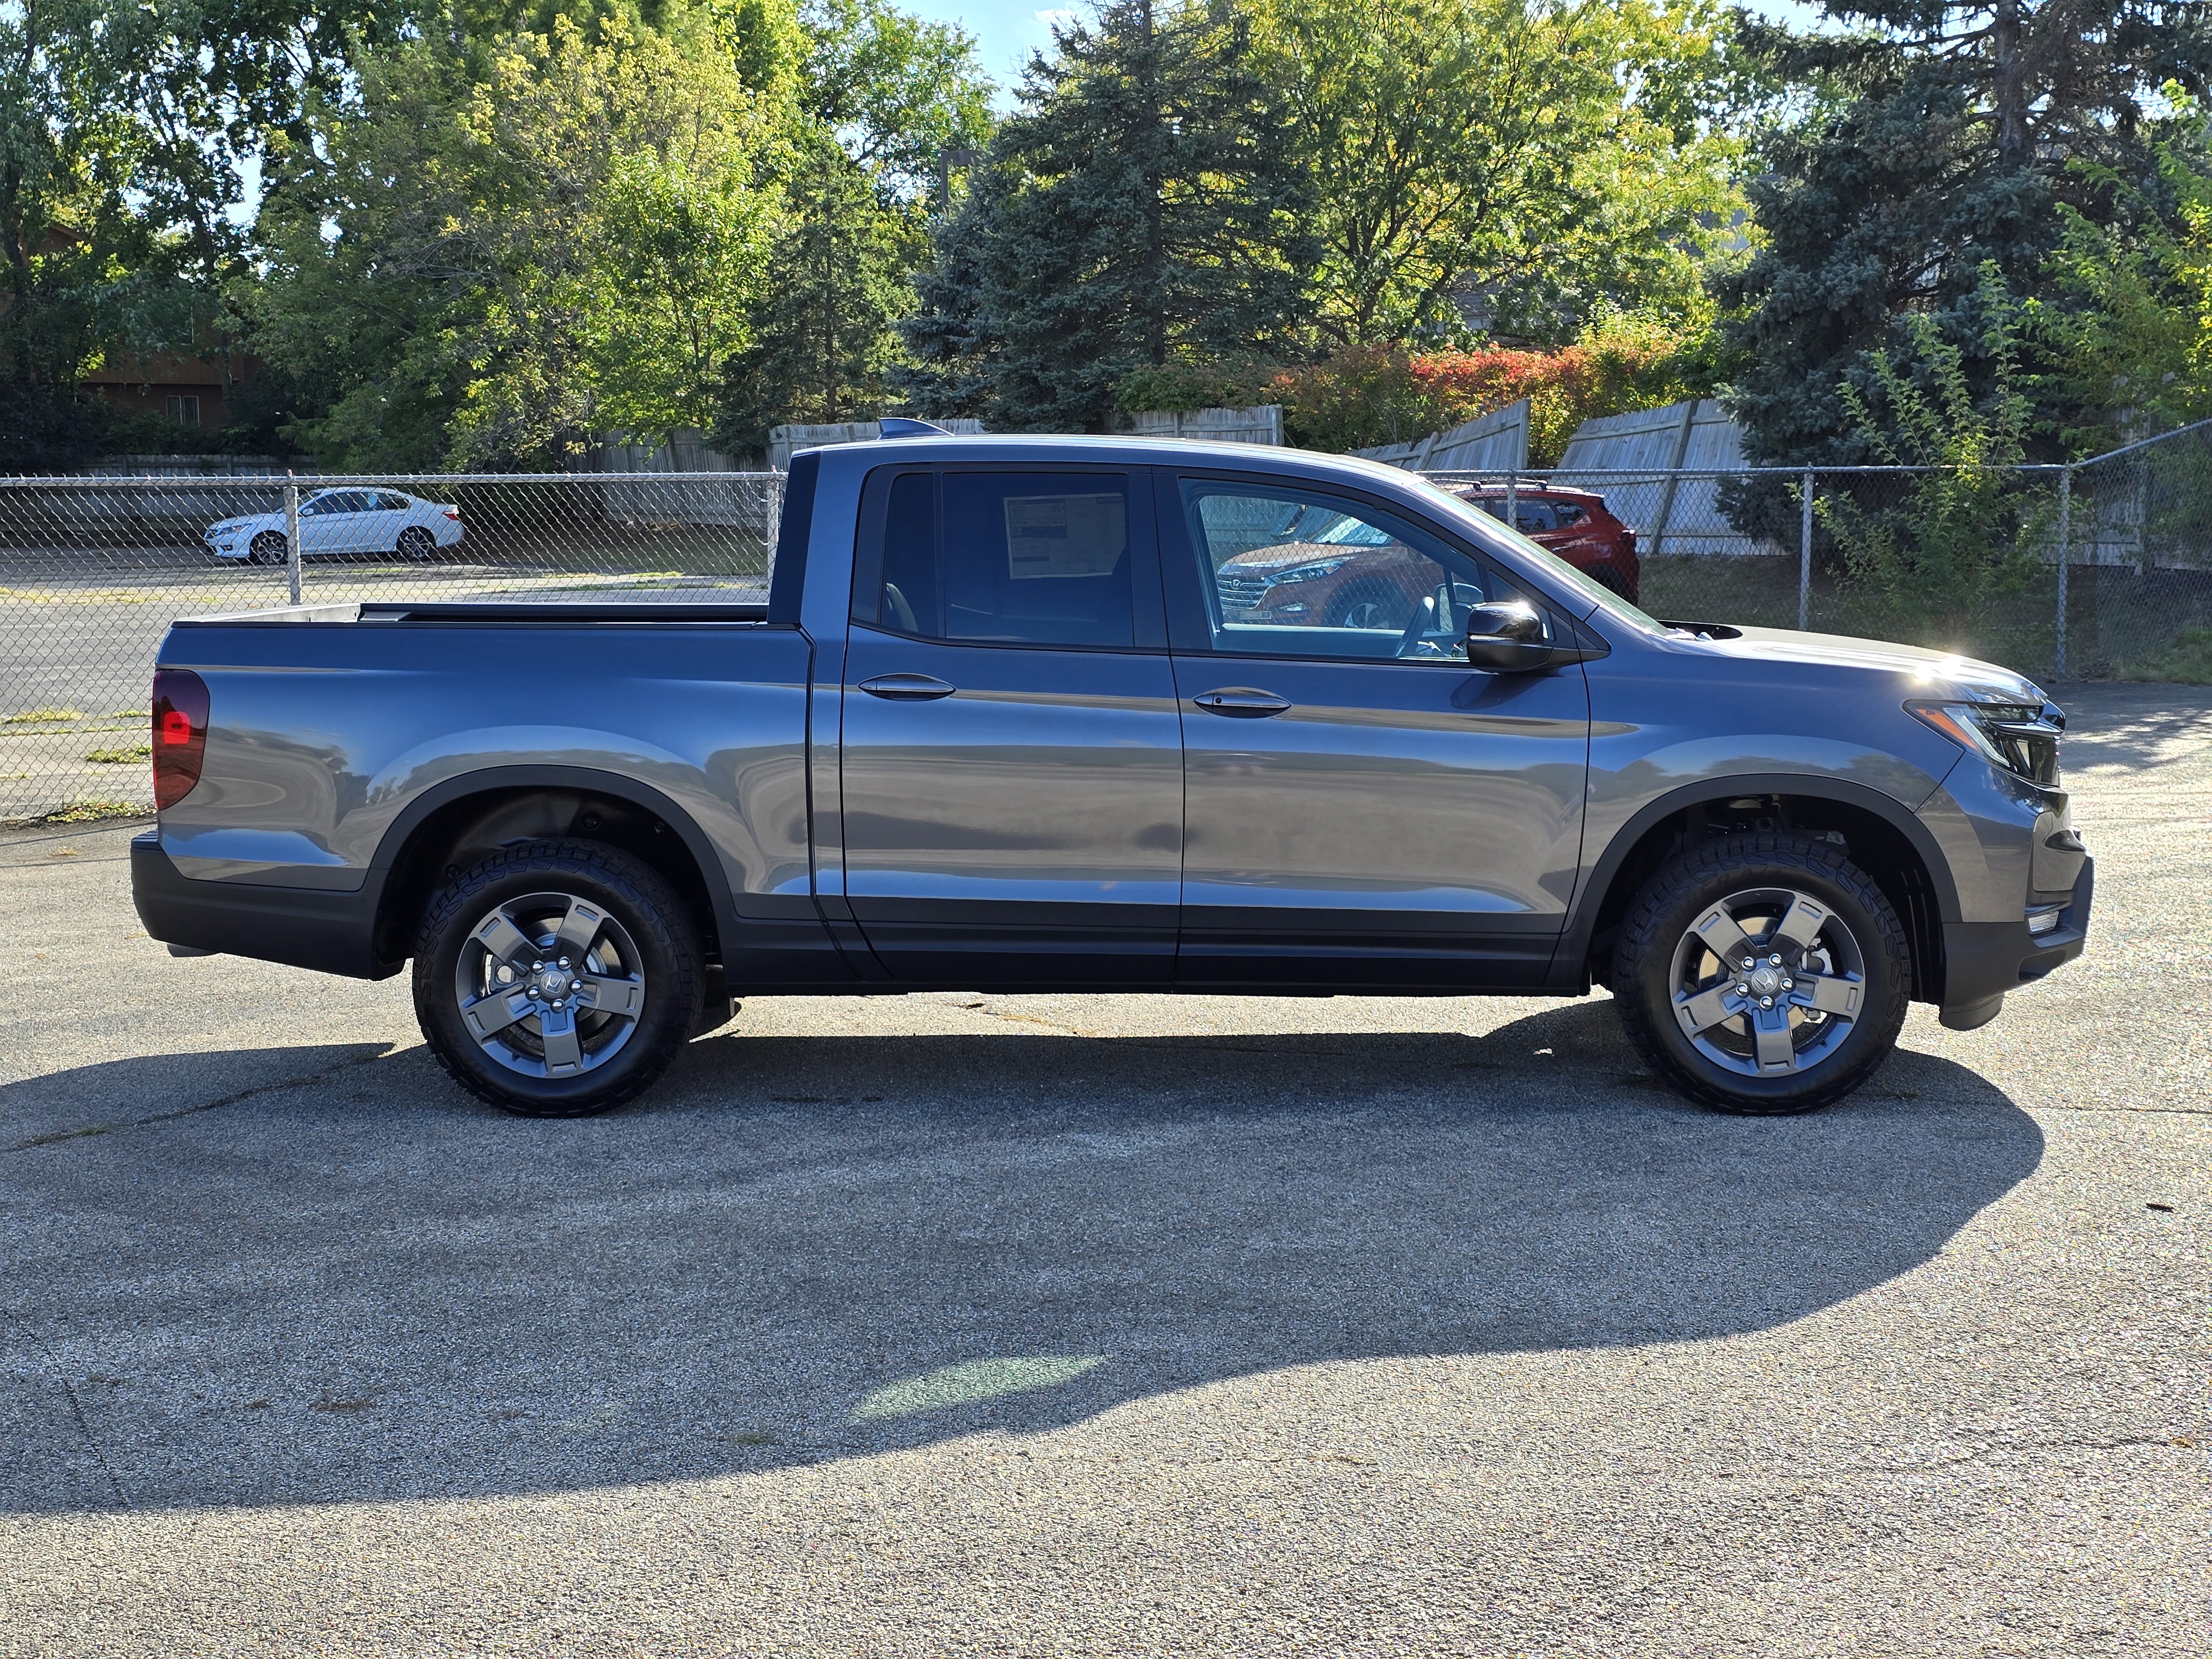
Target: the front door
(1360, 805)
(323, 521)
(1012, 763)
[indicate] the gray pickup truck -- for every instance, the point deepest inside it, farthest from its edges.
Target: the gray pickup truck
(1047, 713)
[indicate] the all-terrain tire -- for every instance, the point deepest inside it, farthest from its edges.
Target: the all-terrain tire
(1656, 931)
(649, 917)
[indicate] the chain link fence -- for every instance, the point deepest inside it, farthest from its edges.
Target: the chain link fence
(2103, 568)
(2099, 570)
(93, 571)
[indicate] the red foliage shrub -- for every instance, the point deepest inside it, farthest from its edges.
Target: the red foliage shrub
(1382, 395)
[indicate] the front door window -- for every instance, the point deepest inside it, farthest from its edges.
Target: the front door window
(1307, 574)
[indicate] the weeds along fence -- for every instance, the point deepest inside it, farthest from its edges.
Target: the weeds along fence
(2099, 569)
(93, 571)
(2095, 570)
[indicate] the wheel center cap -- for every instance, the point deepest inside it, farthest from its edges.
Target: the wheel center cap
(1766, 981)
(553, 984)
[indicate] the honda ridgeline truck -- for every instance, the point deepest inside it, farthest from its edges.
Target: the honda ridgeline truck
(1005, 724)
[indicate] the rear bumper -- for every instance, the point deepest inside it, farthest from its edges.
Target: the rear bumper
(1983, 960)
(331, 932)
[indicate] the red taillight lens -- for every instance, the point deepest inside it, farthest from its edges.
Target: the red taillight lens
(452, 513)
(180, 728)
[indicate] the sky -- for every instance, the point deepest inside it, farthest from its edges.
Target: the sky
(1007, 31)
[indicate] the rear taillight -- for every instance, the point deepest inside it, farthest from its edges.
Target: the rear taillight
(180, 728)
(452, 513)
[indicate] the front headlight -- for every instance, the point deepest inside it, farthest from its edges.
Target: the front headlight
(2021, 738)
(1308, 573)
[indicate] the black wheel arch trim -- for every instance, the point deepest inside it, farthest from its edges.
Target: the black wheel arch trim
(585, 779)
(1589, 896)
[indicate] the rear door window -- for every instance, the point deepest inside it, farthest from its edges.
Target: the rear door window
(1001, 558)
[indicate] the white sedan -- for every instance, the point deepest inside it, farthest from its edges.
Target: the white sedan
(343, 521)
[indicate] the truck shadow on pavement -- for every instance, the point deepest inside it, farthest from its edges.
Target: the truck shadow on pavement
(804, 1248)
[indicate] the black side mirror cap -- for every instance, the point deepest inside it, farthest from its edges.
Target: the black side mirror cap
(1511, 637)
(1509, 656)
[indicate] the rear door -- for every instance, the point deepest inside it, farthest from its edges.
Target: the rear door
(1360, 805)
(387, 512)
(1011, 753)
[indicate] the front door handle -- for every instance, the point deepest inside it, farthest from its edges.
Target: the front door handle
(908, 687)
(1242, 702)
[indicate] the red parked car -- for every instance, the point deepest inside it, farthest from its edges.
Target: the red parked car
(1331, 569)
(1575, 523)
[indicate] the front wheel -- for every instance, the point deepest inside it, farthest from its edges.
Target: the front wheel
(269, 548)
(1763, 974)
(556, 979)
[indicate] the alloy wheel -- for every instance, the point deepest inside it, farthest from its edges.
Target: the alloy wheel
(550, 986)
(1767, 981)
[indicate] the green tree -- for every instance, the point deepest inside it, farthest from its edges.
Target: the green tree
(1945, 140)
(1934, 559)
(499, 249)
(126, 132)
(1140, 207)
(897, 91)
(1506, 167)
(2128, 327)
(838, 282)
(883, 97)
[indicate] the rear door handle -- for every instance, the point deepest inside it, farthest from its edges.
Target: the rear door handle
(1242, 702)
(908, 687)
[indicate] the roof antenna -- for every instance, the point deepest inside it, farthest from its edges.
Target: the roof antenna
(894, 426)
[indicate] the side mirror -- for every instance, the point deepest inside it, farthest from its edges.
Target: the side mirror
(1507, 638)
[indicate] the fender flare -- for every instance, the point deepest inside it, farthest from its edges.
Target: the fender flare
(585, 779)
(1574, 943)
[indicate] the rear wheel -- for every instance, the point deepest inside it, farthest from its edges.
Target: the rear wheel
(556, 979)
(417, 544)
(1763, 974)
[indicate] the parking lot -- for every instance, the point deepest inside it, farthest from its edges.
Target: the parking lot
(954, 1324)
(78, 635)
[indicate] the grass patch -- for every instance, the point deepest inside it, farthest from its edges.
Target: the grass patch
(61, 730)
(92, 811)
(136, 752)
(130, 714)
(41, 716)
(2186, 660)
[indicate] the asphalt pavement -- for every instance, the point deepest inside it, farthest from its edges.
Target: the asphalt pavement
(951, 1324)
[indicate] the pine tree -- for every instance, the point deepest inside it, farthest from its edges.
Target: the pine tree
(836, 285)
(1946, 138)
(1135, 210)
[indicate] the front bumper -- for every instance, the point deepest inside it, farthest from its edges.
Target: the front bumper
(1983, 960)
(304, 927)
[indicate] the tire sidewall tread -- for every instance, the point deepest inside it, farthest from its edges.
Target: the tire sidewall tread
(647, 908)
(1643, 957)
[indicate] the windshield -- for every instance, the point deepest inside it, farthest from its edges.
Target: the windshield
(1486, 530)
